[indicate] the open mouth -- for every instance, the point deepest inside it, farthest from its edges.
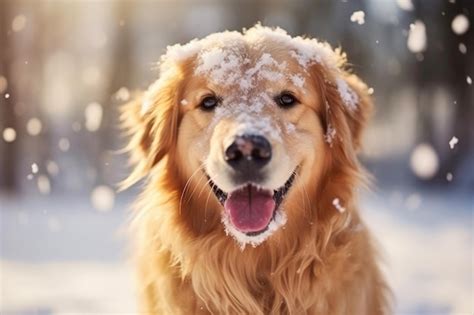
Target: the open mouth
(251, 208)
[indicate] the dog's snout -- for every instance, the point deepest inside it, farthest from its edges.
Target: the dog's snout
(248, 153)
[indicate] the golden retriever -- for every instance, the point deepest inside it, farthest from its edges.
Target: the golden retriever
(248, 146)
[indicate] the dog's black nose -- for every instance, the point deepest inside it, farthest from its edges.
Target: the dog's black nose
(248, 153)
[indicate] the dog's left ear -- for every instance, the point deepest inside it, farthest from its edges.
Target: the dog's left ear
(348, 106)
(151, 121)
(362, 109)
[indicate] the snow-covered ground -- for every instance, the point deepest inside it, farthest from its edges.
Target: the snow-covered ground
(58, 255)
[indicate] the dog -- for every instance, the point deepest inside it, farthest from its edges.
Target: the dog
(247, 146)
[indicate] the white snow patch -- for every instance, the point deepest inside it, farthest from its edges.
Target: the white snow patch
(304, 50)
(330, 134)
(406, 5)
(250, 124)
(460, 24)
(243, 239)
(349, 97)
(358, 17)
(453, 142)
(417, 37)
(337, 204)
(290, 127)
(9, 134)
(103, 198)
(219, 53)
(247, 114)
(220, 66)
(298, 80)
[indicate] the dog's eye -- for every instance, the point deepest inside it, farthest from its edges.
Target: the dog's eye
(209, 102)
(286, 100)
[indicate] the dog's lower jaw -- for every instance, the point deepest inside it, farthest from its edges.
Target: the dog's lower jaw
(254, 239)
(278, 218)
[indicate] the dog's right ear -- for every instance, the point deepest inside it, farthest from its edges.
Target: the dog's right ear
(151, 122)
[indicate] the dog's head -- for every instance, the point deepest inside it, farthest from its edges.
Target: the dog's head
(263, 120)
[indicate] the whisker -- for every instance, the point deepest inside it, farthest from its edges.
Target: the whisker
(305, 197)
(201, 167)
(207, 199)
(203, 175)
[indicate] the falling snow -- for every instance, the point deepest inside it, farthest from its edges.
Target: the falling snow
(449, 176)
(18, 23)
(337, 204)
(453, 142)
(123, 94)
(52, 168)
(460, 24)
(64, 144)
(93, 115)
(34, 126)
(9, 134)
(34, 168)
(358, 17)
(44, 186)
(417, 37)
(469, 80)
(424, 161)
(406, 5)
(462, 48)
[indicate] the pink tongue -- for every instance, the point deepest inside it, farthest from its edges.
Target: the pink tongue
(250, 209)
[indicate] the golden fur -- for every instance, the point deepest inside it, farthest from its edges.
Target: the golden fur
(322, 262)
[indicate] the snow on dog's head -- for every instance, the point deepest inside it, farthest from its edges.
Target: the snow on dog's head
(249, 122)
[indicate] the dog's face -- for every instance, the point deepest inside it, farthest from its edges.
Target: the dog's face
(256, 115)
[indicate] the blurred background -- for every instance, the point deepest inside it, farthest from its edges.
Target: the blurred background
(65, 66)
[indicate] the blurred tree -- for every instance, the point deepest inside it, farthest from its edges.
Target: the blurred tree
(9, 150)
(430, 73)
(120, 72)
